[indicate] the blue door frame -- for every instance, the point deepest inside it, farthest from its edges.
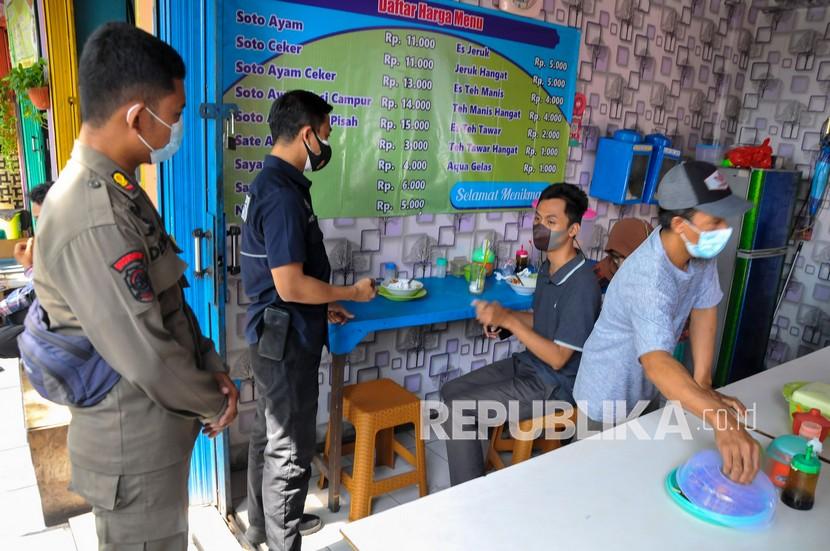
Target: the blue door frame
(190, 197)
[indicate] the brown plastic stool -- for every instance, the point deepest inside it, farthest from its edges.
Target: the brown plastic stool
(375, 408)
(522, 449)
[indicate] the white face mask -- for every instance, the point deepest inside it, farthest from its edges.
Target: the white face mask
(709, 243)
(176, 137)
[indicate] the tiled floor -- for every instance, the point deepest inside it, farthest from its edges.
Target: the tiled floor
(21, 521)
(21, 517)
(19, 495)
(329, 538)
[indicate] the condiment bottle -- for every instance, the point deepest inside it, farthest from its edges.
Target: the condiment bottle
(800, 491)
(522, 259)
(780, 453)
(440, 268)
(388, 271)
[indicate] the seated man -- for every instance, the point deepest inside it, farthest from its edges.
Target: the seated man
(14, 307)
(565, 306)
(623, 239)
(628, 357)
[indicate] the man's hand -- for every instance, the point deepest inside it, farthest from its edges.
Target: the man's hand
(364, 290)
(338, 314)
(491, 314)
(227, 388)
(740, 452)
(25, 252)
(491, 332)
(730, 402)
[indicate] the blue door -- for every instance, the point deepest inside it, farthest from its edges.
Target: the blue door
(192, 207)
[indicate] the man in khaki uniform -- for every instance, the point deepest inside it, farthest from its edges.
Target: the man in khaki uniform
(106, 269)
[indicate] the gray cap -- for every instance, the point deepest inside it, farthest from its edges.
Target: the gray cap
(698, 185)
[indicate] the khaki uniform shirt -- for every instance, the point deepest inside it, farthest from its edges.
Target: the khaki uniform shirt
(106, 269)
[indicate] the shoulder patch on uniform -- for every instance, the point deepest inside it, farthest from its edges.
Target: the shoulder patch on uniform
(121, 179)
(134, 267)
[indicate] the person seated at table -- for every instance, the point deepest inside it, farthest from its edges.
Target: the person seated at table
(623, 239)
(565, 306)
(14, 307)
(628, 357)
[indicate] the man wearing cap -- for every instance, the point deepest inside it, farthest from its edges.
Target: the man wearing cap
(628, 357)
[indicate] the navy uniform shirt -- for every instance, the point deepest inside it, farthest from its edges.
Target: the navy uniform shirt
(565, 307)
(280, 228)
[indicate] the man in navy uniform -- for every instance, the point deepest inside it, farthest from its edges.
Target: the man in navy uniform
(286, 273)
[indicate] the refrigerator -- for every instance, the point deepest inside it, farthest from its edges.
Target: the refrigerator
(750, 270)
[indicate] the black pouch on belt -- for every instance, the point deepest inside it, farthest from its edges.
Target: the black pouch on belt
(276, 323)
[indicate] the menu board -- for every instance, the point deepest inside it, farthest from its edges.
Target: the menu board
(439, 107)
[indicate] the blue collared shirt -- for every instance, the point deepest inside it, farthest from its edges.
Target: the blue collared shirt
(280, 228)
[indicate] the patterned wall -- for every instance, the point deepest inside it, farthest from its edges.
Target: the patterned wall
(673, 66)
(787, 100)
(11, 187)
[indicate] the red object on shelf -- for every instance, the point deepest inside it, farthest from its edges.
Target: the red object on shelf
(813, 416)
(751, 156)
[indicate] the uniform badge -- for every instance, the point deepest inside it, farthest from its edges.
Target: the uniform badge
(245, 208)
(121, 179)
(134, 268)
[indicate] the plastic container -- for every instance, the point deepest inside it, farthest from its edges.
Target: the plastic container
(779, 455)
(710, 153)
(813, 416)
(704, 485)
(457, 266)
(813, 395)
(800, 491)
(388, 271)
(440, 268)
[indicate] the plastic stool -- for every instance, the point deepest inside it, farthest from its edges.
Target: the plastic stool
(522, 449)
(375, 408)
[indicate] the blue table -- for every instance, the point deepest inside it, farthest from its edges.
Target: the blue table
(447, 300)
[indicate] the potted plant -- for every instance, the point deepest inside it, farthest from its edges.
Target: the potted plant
(32, 82)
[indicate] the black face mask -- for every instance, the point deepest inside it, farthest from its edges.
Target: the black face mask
(315, 161)
(546, 240)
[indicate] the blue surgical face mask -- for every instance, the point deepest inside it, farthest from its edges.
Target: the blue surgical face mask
(176, 137)
(709, 244)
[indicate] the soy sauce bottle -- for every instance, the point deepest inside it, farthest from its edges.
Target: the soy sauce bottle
(800, 491)
(522, 259)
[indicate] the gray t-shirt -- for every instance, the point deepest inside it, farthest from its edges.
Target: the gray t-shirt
(645, 309)
(565, 308)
